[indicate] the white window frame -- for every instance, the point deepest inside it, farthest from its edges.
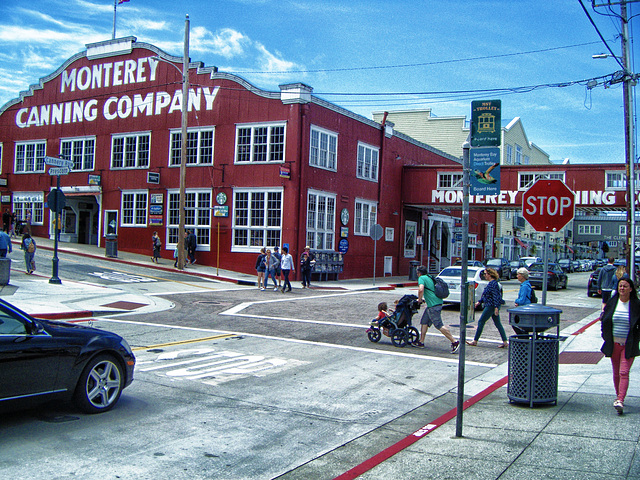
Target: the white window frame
(509, 154)
(142, 157)
(518, 155)
(270, 154)
(449, 180)
(139, 213)
(32, 163)
(527, 179)
(321, 220)
(368, 162)
(622, 229)
(589, 229)
(25, 201)
(83, 160)
(617, 180)
(257, 220)
(323, 148)
(366, 215)
(197, 153)
(197, 210)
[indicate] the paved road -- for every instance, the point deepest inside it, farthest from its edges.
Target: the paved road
(233, 383)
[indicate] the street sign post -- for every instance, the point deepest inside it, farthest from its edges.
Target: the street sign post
(58, 162)
(375, 233)
(59, 171)
(548, 205)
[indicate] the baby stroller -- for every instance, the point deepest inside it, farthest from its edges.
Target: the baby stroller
(398, 323)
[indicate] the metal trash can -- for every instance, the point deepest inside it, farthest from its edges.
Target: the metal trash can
(5, 271)
(111, 246)
(533, 356)
(413, 273)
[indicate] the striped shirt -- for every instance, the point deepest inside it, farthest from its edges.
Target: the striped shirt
(621, 320)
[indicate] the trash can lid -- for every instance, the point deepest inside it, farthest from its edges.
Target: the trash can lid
(534, 308)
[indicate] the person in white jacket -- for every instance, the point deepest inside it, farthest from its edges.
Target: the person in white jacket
(286, 265)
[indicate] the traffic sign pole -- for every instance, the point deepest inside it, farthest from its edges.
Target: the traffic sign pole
(55, 279)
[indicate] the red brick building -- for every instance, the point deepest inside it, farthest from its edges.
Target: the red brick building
(263, 168)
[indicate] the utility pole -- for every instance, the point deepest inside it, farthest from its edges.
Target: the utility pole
(629, 81)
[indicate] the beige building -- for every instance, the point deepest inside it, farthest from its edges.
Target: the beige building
(513, 235)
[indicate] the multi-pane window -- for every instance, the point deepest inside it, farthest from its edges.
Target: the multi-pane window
(618, 180)
(257, 219)
(134, 209)
(509, 154)
(321, 220)
(30, 157)
(323, 150)
(526, 180)
(197, 216)
(25, 202)
(450, 181)
(366, 215)
(589, 229)
(260, 143)
(367, 166)
(622, 229)
(130, 151)
(199, 147)
(81, 151)
(518, 154)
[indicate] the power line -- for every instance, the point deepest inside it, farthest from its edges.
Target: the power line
(423, 64)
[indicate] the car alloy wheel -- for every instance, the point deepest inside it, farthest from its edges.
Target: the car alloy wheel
(100, 385)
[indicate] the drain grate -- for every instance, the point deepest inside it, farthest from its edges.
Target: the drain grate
(585, 358)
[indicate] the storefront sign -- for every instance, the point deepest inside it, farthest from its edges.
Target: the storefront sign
(221, 210)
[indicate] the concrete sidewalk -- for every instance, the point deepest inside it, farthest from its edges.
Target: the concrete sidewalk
(580, 437)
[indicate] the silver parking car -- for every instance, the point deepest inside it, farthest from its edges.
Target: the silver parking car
(452, 276)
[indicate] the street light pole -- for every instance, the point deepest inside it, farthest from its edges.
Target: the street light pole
(183, 148)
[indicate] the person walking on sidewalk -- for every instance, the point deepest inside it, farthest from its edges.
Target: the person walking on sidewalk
(433, 314)
(492, 300)
(620, 324)
(157, 244)
(278, 255)
(28, 244)
(307, 262)
(260, 268)
(607, 281)
(287, 265)
(192, 246)
(270, 265)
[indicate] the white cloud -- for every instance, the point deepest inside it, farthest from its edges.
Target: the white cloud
(227, 42)
(272, 62)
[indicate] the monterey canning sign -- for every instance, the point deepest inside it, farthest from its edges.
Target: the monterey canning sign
(100, 77)
(513, 198)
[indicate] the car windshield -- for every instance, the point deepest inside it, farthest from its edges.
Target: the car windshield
(539, 267)
(457, 272)
(494, 261)
(514, 264)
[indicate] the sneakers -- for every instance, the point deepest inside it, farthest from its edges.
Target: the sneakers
(418, 344)
(262, 289)
(619, 406)
(275, 289)
(455, 346)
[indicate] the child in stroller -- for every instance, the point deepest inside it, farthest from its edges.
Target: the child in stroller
(396, 324)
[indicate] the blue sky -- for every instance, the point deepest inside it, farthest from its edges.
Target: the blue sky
(437, 54)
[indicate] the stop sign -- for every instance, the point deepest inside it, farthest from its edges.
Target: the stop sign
(548, 205)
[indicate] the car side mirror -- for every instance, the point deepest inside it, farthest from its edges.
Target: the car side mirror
(36, 328)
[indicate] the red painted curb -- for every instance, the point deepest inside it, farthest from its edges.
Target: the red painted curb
(417, 435)
(63, 315)
(588, 325)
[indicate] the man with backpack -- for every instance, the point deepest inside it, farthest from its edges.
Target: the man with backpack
(607, 281)
(433, 314)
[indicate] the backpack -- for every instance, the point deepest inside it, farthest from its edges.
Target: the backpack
(31, 247)
(440, 287)
(533, 297)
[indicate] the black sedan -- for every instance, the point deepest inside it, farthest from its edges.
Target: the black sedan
(43, 360)
(556, 277)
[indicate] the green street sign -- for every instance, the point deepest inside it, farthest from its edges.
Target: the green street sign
(486, 128)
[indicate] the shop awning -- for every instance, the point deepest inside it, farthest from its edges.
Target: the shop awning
(521, 243)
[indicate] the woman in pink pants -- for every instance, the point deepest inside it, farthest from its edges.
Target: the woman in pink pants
(620, 323)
